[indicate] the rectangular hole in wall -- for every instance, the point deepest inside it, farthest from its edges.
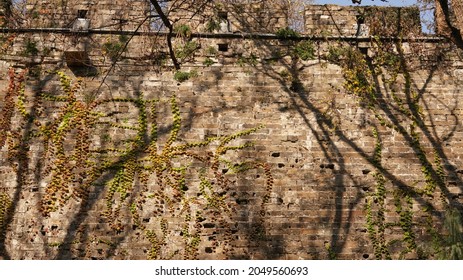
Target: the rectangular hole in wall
(82, 13)
(363, 50)
(223, 47)
(222, 15)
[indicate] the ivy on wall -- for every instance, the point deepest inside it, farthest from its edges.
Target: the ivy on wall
(5, 204)
(156, 178)
(376, 224)
(170, 192)
(396, 111)
(15, 89)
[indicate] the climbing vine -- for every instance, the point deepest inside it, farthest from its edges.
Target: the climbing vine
(169, 192)
(73, 121)
(376, 225)
(113, 48)
(404, 208)
(15, 89)
(362, 74)
(6, 41)
(5, 204)
(173, 196)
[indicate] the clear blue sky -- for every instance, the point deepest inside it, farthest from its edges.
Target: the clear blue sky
(426, 17)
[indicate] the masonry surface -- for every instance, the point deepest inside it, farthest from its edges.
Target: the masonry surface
(259, 153)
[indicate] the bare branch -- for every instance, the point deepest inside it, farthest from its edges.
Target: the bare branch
(169, 26)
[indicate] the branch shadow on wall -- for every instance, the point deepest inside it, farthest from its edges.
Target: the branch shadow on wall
(393, 118)
(20, 158)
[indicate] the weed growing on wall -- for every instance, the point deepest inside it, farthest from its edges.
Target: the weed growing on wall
(30, 48)
(113, 48)
(452, 242)
(208, 62)
(186, 51)
(305, 50)
(182, 76)
(183, 30)
(286, 33)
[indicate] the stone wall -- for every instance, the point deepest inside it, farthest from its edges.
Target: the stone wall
(115, 14)
(334, 20)
(259, 153)
(232, 16)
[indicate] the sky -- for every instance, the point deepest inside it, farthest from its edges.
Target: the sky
(426, 16)
(369, 2)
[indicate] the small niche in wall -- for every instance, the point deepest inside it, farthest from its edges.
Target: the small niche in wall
(223, 22)
(362, 28)
(81, 23)
(223, 47)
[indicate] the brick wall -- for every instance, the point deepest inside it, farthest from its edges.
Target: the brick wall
(334, 20)
(102, 14)
(331, 172)
(232, 17)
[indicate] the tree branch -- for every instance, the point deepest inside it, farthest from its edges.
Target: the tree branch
(169, 26)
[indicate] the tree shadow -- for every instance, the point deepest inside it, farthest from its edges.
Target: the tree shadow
(19, 157)
(389, 118)
(386, 107)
